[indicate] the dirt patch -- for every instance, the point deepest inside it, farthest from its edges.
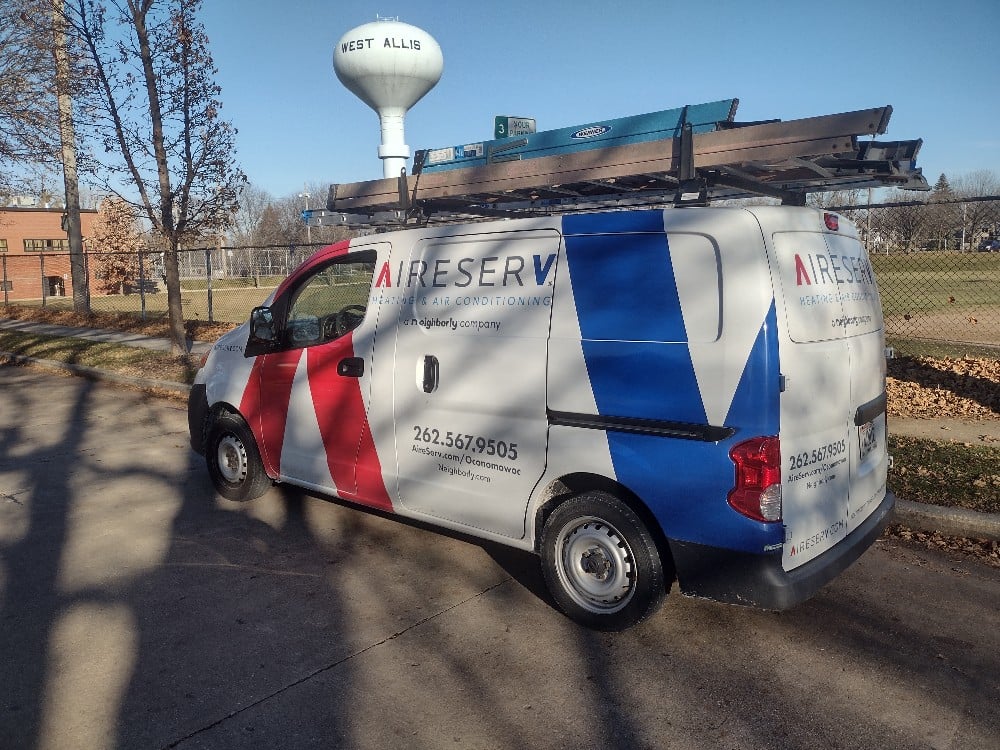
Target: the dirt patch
(969, 326)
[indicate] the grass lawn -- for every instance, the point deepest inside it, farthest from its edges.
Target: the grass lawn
(230, 304)
(231, 300)
(932, 282)
(946, 473)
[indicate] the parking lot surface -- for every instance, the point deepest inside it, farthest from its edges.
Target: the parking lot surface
(137, 610)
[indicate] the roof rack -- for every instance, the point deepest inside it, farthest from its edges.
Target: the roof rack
(684, 163)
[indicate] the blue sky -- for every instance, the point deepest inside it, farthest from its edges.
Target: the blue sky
(567, 63)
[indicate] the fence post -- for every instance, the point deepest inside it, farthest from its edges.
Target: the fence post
(142, 291)
(86, 274)
(208, 272)
(961, 247)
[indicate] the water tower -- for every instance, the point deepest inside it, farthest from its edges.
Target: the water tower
(389, 65)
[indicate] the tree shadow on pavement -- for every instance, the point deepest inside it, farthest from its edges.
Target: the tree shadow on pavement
(37, 492)
(233, 616)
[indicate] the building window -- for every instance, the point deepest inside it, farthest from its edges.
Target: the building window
(6, 285)
(3, 246)
(46, 246)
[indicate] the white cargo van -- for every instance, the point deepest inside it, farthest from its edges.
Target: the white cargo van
(636, 396)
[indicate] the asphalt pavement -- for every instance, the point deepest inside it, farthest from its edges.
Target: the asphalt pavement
(139, 610)
(920, 516)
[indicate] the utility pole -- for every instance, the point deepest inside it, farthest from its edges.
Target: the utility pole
(67, 134)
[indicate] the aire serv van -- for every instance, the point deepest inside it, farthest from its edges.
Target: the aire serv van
(636, 396)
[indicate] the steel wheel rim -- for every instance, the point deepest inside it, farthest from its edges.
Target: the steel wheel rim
(595, 565)
(231, 458)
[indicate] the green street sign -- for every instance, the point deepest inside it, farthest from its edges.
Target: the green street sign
(504, 126)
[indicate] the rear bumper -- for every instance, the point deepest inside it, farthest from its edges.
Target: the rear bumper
(759, 580)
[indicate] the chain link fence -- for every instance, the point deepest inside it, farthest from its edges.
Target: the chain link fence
(218, 284)
(938, 268)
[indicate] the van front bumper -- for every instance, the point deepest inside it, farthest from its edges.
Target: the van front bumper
(759, 580)
(197, 414)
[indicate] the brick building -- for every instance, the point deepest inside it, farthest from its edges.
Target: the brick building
(34, 252)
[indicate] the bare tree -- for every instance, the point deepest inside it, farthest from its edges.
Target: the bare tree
(903, 224)
(977, 218)
(28, 133)
(836, 198)
(155, 108)
(293, 225)
(977, 184)
(943, 214)
(253, 200)
(273, 228)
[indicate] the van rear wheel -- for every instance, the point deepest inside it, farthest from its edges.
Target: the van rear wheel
(600, 562)
(233, 459)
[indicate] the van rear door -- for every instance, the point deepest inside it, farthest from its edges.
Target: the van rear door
(833, 440)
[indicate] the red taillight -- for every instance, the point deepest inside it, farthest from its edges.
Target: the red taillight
(757, 491)
(832, 222)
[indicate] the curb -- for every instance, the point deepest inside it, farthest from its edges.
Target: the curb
(947, 521)
(93, 373)
(919, 516)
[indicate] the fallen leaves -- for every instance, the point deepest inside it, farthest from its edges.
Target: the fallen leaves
(927, 387)
(985, 550)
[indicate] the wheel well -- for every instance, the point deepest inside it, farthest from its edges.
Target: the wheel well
(214, 411)
(570, 485)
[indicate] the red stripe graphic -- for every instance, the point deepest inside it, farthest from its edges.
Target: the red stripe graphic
(343, 425)
(265, 404)
(268, 393)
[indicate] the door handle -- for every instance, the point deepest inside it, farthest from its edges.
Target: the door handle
(351, 367)
(431, 373)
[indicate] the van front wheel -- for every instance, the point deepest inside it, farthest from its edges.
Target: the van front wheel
(233, 459)
(601, 563)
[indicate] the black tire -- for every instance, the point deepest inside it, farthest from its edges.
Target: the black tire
(234, 460)
(601, 563)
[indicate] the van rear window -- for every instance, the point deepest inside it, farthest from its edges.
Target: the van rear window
(828, 285)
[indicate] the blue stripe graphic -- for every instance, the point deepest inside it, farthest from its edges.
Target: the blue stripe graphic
(629, 312)
(755, 407)
(639, 365)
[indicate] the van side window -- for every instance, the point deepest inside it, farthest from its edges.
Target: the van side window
(329, 303)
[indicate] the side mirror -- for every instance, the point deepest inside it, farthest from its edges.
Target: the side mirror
(262, 325)
(264, 333)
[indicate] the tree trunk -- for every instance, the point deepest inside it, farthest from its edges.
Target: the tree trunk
(67, 134)
(178, 335)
